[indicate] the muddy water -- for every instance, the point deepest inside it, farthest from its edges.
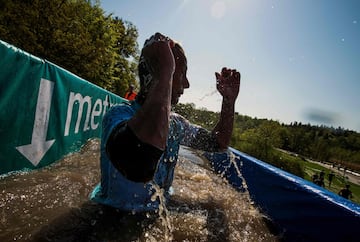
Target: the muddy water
(52, 204)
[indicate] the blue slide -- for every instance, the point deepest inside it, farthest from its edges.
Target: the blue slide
(298, 209)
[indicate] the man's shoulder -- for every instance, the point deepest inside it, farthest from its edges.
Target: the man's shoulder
(115, 115)
(120, 111)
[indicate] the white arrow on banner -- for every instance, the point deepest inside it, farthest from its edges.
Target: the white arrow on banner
(36, 150)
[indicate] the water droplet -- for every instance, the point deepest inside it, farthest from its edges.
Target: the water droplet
(171, 191)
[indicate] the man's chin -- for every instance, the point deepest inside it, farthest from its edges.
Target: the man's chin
(174, 101)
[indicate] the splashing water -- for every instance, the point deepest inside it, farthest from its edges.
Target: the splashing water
(162, 211)
(208, 95)
(203, 207)
(232, 161)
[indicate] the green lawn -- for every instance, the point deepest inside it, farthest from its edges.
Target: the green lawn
(338, 181)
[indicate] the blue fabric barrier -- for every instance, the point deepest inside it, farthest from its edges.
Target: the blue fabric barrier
(298, 209)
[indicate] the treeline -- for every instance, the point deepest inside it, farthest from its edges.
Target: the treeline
(261, 137)
(76, 35)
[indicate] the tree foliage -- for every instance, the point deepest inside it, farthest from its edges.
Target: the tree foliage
(75, 35)
(259, 138)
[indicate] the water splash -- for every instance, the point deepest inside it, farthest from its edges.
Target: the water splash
(232, 160)
(208, 95)
(203, 207)
(162, 211)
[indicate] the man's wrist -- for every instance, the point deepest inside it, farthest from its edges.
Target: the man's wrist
(229, 100)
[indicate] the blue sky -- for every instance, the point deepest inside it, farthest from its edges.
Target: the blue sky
(299, 59)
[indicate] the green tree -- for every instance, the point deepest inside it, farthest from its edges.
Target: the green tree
(260, 141)
(75, 35)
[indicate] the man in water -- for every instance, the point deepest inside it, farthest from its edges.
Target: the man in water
(140, 140)
(139, 148)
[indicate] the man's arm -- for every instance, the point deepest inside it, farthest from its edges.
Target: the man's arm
(228, 84)
(151, 122)
(135, 146)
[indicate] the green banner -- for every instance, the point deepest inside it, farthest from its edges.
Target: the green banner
(46, 112)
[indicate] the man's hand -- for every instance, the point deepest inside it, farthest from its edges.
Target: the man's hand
(158, 56)
(228, 83)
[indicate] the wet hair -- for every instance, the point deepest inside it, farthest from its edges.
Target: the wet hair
(145, 76)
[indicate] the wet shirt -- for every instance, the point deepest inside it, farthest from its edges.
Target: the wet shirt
(117, 191)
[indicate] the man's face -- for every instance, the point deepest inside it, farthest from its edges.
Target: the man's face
(180, 81)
